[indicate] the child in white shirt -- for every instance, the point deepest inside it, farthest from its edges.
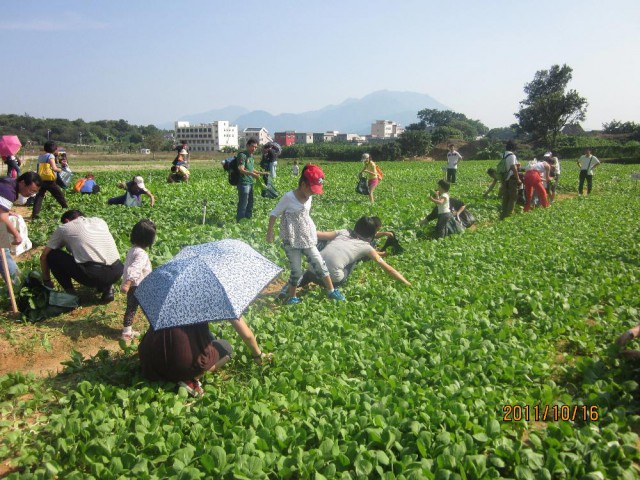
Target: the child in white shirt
(441, 199)
(136, 267)
(298, 232)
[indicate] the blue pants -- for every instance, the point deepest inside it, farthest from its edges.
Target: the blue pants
(245, 202)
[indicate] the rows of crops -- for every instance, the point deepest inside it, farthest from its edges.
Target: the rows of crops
(396, 382)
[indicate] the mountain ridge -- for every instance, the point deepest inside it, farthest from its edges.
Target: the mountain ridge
(350, 116)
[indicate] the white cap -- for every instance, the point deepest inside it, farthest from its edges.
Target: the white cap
(139, 181)
(548, 154)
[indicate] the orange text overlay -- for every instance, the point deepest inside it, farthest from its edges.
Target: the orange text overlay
(550, 413)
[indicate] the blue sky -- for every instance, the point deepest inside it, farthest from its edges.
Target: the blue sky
(155, 61)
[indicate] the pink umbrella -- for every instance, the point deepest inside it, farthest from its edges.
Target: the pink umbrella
(9, 145)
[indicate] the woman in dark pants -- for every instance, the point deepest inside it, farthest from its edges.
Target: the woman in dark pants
(48, 185)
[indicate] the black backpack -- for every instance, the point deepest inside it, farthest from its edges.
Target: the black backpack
(230, 165)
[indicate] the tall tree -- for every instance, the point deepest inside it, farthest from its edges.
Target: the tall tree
(549, 106)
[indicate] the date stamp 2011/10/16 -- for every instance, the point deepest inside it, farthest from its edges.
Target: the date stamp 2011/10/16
(550, 413)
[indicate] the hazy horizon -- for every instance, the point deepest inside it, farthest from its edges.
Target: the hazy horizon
(153, 63)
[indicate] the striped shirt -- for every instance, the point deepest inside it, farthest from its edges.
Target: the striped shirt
(8, 193)
(88, 240)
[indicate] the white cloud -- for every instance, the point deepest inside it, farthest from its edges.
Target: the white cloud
(65, 21)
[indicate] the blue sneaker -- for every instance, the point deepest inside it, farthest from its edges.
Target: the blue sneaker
(336, 295)
(293, 301)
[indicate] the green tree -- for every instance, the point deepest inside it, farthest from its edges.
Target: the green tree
(549, 106)
(415, 143)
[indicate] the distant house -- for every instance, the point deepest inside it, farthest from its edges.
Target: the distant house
(350, 137)
(304, 137)
(573, 129)
(386, 129)
(324, 137)
(207, 137)
(285, 138)
(259, 133)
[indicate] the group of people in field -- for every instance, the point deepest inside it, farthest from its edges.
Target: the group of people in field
(83, 250)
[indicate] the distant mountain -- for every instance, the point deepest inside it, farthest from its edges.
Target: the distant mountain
(351, 116)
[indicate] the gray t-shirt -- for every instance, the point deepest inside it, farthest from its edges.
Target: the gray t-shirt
(342, 251)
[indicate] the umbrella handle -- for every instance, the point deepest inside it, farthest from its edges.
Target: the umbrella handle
(7, 277)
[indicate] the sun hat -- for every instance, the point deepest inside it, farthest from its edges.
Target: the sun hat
(314, 175)
(139, 181)
(365, 157)
(548, 154)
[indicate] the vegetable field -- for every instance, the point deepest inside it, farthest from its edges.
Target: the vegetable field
(498, 362)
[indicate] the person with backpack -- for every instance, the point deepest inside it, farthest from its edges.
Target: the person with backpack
(587, 163)
(47, 170)
(508, 170)
(246, 180)
(372, 173)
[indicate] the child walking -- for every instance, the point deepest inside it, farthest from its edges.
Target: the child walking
(298, 232)
(441, 199)
(136, 267)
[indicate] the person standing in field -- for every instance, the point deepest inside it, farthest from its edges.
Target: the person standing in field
(295, 168)
(453, 158)
(441, 199)
(511, 181)
(248, 177)
(136, 267)
(587, 163)
(48, 185)
(370, 171)
(298, 232)
(554, 165)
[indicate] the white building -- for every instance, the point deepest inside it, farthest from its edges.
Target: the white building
(350, 137)
(304, 137)
(386, 129)
(207, 137)
(261, 134)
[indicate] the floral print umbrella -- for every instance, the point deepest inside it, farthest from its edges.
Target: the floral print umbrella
(205, 283)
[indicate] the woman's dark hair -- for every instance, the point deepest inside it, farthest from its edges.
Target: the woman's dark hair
(365, 228)
(70, 215)
(444, 185)
(302, 180)
(143, 233)
(50, 146)
(511, 145)
(377, 222)
(491, 171)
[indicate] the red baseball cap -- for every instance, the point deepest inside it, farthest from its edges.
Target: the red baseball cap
(314, 175)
